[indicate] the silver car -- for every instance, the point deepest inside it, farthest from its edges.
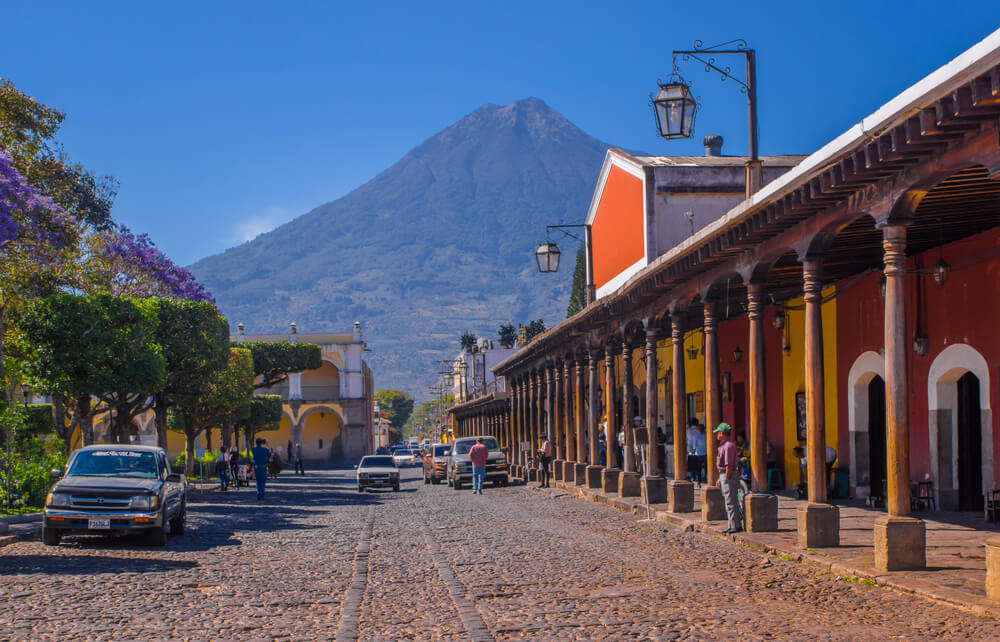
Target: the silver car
(460, 467)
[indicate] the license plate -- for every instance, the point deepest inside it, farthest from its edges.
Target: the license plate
(99, 524)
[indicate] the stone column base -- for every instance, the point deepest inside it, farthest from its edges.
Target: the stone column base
(628, 485)
(609, 480)
(654, 490)
(569, 470)
(557, 470)
(680, 496)
(713, 508)
(762, 513)
(580, 474)
(818, 526)
(900, 543)
(593, 476)
(993, 568)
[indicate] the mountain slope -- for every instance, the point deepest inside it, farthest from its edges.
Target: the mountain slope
(439, 243)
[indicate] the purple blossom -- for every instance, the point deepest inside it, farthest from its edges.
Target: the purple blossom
(139, 266)
(26, 214)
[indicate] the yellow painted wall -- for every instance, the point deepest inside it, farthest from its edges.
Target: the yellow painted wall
(793, 377)
(319, 425)
(279, 438)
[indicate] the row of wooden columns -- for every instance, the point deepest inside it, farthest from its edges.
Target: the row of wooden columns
(554, 400)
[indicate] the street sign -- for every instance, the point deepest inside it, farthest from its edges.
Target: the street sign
(199, 453)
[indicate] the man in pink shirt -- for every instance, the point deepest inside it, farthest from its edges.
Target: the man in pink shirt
(478, 455)
(728, 463)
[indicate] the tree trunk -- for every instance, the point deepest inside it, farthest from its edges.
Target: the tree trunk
(189, 436)
(85, 413)
(160, 420)
(59, 419)
(226, 435)
(123, 419)
(208, 439)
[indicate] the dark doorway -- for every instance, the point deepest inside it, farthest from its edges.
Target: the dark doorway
(876, 436)
(970, 444)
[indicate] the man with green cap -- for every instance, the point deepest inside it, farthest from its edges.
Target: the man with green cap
(728, 463)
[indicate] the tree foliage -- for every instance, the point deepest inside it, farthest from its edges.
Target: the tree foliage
(533, 329)
(261, 413)
(274, 360)
(508, 335)
(468, 341)
(395, 405)
(578, 294)
(428, 417)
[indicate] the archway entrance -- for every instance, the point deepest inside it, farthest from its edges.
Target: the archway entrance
(876, 436)
(970, 441)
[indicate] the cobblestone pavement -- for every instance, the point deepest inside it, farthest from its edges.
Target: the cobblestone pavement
(320, 561)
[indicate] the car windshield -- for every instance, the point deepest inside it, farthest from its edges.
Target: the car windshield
(130, 463)
(373, 462)
(400, 451)
(442, 451)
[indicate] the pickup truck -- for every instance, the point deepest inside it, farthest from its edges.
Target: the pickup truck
(116, 489)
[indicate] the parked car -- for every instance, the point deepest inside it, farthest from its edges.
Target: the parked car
(116, 489)
(460, 467)
(405, 457)
(436, 463)
(377, 471)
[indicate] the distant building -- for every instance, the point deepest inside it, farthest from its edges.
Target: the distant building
(473, 371)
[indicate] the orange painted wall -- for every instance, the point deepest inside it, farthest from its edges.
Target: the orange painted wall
(618, 229)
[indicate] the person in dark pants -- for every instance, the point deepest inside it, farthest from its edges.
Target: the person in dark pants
(299, 468)
(729, 478)
(544, 459)
(234, 466)
(261, 457)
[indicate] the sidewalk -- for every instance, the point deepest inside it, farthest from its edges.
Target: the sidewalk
(16, 528)
(956, 556)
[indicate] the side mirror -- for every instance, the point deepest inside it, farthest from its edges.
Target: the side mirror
(55, 473)
(175, 478)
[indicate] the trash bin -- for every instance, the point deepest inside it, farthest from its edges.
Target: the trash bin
(841, 482)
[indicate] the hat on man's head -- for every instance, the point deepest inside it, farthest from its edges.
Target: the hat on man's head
(723, 428)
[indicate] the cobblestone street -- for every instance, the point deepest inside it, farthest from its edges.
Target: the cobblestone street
(320, 561)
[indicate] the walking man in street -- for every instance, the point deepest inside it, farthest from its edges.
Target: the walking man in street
(299, 468)
(729, 478)
(261, 456)
(545, 458)
(478, 455)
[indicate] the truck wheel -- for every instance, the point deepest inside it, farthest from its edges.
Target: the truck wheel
(435, 480)
(361, 489)
(50, 536)
(177, 523)
(456, 485)
(395, 488)
(157, 536)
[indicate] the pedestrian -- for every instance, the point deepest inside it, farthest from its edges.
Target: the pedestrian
(261, 457)
(477, 456)
(692, 435)
(222, 469)
(700, 454)
(636, 448)
(288, 451)
(602, 449)
(729, 478)
(544, 459)
(831, 459)
(299, 468)
(234, 466)
(621, 446)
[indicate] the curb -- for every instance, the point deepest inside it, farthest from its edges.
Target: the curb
(953, 597)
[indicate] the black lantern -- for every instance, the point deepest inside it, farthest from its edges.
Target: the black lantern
(547, 256)
(692, 353)
(941, 270)
(674, 109)
(737, 355)
(779, 320)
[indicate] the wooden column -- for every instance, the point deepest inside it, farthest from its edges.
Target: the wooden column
(680, 421)
(713, 398)
(815, 403)
(541, 427)
(569, 423)
(582, 427)
(609, 407)
(555, 409)
(652, 429)
(522, 420)
(592, 417)
(627, 410)
(758, 408)
(897, 431)
(533, 393)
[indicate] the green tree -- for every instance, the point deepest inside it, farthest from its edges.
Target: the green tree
(194, 341)
(261, 413)
(533, 329)
(427, 419)
(468, 341)
(578, 294)
(92, 346)
(274, 360)
(224, 392)
(508, 335)
(395, 405)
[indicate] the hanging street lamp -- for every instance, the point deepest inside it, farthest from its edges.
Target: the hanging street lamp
(941, 269)
(547, 256)
(674, 108)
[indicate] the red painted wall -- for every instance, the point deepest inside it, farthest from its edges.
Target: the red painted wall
(618, 230)
(965, 310)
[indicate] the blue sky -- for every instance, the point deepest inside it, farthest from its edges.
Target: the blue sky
(224, 119)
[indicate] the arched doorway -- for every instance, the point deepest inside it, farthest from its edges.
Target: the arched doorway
(970, 440)
(959, 420)
(876, 436)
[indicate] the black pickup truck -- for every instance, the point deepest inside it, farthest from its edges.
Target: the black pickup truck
(116, 489)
